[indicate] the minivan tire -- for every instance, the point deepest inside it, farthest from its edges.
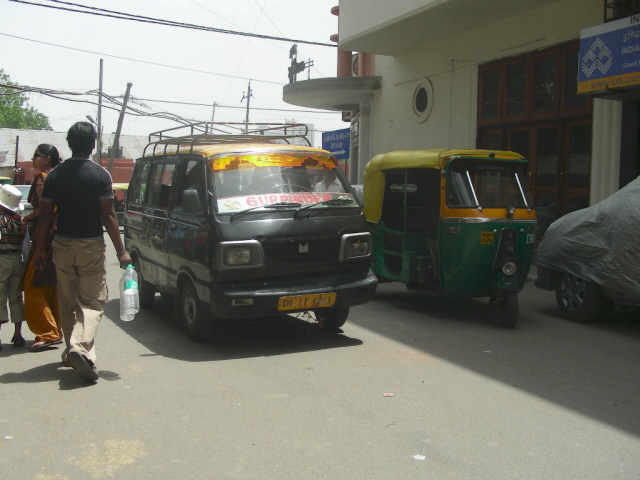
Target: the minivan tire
(197, 323)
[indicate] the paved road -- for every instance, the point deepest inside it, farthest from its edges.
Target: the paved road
(548, 400)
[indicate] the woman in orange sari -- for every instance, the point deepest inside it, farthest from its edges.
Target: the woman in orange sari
(40, 294)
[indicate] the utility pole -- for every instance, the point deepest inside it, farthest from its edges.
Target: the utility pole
(99, 143)
(116, 141)
(213, 113)
(248, 97)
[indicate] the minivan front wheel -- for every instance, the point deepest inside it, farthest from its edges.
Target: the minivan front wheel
(197, 323)
(580, 301)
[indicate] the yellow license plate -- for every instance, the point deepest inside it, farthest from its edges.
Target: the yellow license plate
(307, 302)
(486, 238)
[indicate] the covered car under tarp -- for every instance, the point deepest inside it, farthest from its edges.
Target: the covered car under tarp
(599, 244)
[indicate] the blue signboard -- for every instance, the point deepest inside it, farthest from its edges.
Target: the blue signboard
(610, 56)
(337, 142)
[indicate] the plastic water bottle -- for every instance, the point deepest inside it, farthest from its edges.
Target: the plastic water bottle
(129, 298)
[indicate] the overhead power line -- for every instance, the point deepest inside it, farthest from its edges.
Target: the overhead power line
(117, 104)
(158, 21)
(231, 106)
(176, 67)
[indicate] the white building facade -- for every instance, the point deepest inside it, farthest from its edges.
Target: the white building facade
(494, 74)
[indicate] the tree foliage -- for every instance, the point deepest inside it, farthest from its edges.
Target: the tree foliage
(15, 111)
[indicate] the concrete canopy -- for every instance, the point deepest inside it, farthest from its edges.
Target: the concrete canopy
(335, 93)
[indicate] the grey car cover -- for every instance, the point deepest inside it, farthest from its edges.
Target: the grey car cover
(600, 244)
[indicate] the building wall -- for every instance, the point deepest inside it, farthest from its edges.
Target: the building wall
(378, 12)
(451, 65)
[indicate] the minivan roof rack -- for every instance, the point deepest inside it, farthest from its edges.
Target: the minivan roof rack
(208, 133)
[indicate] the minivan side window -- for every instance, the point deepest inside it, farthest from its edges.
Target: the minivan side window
(161, 180)
(139, 185)
(191, 177)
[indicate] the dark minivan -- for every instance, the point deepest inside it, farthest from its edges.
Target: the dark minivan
(244, 227)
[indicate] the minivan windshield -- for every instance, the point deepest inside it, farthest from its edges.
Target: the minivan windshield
(487, 185)
(249, 182)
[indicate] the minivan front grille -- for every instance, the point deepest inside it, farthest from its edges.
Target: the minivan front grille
(302, 249)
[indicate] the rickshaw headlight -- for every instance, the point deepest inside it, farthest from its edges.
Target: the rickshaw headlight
(243, 254)
(355, 245)
(509, 268)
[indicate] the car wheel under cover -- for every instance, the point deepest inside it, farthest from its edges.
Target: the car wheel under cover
(579, 300)
(197, 323)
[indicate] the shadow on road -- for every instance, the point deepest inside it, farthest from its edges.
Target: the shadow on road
(157, 330)
(588, 368)
(50, 372)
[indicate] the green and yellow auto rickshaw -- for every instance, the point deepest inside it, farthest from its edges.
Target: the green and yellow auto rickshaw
(119, 198)
(452, 223)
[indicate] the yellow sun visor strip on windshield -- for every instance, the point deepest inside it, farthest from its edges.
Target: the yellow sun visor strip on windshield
(272, 160)
(374, 178)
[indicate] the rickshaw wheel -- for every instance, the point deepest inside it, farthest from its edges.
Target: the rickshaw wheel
(509, 309)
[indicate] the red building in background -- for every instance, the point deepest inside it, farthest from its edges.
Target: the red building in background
(120, 172)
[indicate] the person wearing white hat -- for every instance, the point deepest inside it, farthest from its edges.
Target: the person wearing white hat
(11, 265)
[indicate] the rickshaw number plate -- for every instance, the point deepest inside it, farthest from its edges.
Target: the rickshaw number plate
(486, 238)
(298, 302)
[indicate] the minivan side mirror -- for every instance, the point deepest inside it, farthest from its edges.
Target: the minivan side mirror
(190, 201)
(358, 191)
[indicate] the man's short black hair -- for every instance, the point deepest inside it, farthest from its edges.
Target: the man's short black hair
(81, 138)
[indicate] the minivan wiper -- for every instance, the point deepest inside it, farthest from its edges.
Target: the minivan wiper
(332, 202)
(272, 205)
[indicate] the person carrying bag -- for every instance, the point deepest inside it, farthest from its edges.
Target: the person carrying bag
(40, 289)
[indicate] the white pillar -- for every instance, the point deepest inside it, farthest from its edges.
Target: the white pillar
(364, 143)
(605, 149)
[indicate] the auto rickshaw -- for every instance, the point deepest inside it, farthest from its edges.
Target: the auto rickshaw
(452, 223)
(119, 197)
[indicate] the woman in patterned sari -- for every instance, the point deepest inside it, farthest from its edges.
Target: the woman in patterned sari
(40, 292)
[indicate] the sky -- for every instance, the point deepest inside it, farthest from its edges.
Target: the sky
(61, 50)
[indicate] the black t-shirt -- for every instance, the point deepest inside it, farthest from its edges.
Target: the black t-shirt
(76, 187)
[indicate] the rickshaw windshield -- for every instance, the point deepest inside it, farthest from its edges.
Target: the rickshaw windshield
(487, 185)
(248, 182)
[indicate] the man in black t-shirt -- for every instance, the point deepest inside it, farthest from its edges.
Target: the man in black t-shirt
(81, 192)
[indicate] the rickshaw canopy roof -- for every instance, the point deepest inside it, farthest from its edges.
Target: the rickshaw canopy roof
(120, 186)
(431, 158)
(374, 177)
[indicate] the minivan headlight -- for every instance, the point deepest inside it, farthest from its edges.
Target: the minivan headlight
(243, 254)
(355, 245)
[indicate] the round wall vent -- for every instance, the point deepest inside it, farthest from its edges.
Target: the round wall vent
(422, 99)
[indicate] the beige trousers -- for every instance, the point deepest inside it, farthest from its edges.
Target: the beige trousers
(11, 271)
(82, 292)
